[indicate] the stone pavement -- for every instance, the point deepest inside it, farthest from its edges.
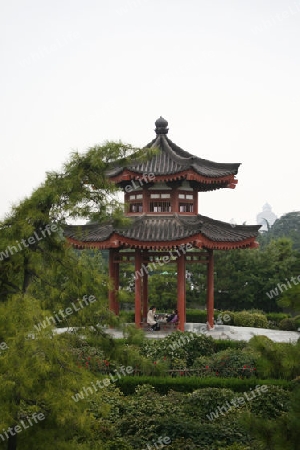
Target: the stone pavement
(224, 332)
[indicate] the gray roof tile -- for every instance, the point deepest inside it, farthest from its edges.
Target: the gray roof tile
(161, 229)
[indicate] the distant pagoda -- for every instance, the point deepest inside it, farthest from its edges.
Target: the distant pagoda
(161, 197)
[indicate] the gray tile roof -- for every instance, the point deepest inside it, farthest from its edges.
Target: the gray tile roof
(160, 229)
(171, 159)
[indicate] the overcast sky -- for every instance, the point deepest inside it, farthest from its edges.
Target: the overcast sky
(224, 73)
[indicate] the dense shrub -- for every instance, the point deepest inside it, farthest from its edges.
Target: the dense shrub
(178, 346)
(243, 319)
(200, 316)
(196, 316)
(297, 321)
(288, 324)
(270, 404)
(223, 344)
(127, 316)
(237, 446)
(201, 402)
(260, 320)
(276, 359)
(118, 444)
(248, 319)
(182, 418)
(163, 384)
(227, 317)
(228, 363)
(275, 318)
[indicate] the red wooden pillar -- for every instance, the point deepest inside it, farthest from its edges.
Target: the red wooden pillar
(138, 284)
(181, 290)
(112, 276)
(195, 202)
(116, 284)
(145, 291)
(146, 200)
(210, 290)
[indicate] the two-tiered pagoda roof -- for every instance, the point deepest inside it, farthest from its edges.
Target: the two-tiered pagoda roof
(171, 162)
(172, 223)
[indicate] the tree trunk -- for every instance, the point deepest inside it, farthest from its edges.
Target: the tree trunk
(12, 442)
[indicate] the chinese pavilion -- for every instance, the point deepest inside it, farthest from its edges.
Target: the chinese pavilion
(161, 194)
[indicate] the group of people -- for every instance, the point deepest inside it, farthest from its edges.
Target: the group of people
(152, 320)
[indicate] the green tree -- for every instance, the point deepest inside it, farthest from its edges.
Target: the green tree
(288, 226)
(39, 274)
(244, 277)
(38, 376)
(163, 290)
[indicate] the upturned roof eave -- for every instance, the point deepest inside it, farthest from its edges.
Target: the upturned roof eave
(198, 241)
(189, 174)
(177, 160)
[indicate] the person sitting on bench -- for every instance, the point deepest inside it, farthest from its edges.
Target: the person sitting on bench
(151, 319)
(173, 318)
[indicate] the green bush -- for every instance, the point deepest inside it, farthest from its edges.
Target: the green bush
(200, 316)
(117, 444)
(249, 319)
(127, 316)
(276, 318)
(288, 324)
(201, 402)
(260, 320)
(228, 317)
(297, 321)
(228, 363)
(196, 316)
(178, 348)
(163, 384)
(223, 344)
(237, 446)
(270, 404)
(243, 319)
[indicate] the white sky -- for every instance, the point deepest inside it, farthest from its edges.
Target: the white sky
(224, 73)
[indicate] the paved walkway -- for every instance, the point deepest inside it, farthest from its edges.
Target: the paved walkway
(225, 332)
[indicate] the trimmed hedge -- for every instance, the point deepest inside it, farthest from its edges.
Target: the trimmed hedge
(188, 384)
(276, 318)
(248, 319)
(196, 316)
(236, 318)
(223, 344)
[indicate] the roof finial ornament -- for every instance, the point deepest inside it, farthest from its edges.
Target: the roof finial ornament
(161, 126)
